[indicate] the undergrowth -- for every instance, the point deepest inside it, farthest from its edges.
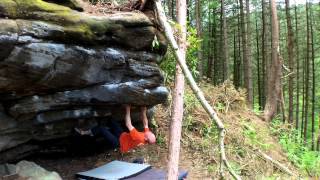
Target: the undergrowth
(246, 133)
(290, 139)
(254, 137)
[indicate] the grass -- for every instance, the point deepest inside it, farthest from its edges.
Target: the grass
(255, 138)
(307, 160)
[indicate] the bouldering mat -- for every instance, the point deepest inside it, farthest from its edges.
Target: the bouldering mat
(114, 170)
(156, 174)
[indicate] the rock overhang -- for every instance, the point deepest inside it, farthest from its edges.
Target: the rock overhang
(58, 65)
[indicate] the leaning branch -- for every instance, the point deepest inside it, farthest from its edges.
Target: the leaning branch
(196, 90)
(275, 162)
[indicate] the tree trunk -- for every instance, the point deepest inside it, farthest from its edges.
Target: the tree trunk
(258, 67)
(199, 35)
(246, 55)
(298, 69)
(236, 64)
(290, 50)
(264, 49)
(188, 10)
(225, 59)
(274, 73)
(313, 83)
(307, 75)
(216, 53)
(318, 142)
(248, 62)
(209, 51)
(240, 61)
(303, 95)
(171, 9)
(177, 111)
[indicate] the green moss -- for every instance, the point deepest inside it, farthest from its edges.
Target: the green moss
(80, 32)
(39, 5)
(8, 8)
(96, 26)
(67, 17)
(38, 9)
(77, 25)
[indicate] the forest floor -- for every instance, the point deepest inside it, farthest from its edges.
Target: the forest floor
(246, 134)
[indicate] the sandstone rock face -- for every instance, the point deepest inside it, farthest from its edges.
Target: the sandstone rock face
(58, 65)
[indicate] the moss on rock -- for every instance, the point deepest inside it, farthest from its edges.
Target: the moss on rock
(130, 29)
(8, 8)
(73, 4)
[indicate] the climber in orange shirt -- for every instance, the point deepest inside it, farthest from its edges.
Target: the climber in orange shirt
(114, 135)
(134, 138)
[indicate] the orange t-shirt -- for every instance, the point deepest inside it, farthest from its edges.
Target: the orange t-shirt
(132, 139)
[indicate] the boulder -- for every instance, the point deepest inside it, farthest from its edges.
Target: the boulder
(26, 170)
(58, 64)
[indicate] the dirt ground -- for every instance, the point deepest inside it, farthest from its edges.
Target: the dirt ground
(154, 155)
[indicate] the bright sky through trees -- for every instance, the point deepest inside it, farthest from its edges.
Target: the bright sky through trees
(302, 1)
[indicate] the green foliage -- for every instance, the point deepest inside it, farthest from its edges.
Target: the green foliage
(190, 103)
(297, 151)
(161, 140)
(169, 62)
(254, 138)
(168, 66)
(209, 131)
(256, 109)
(193, 43)
(219, 106)
(211, 168)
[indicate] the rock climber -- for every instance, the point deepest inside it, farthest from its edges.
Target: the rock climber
(115, 136)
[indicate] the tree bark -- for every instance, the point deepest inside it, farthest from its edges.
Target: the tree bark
(258, 67)
(240, 62)
(211, 60)
(224, 48)
(274, 73)
(290, 48)
(313, 83)
(209, 50)
(264, 53)
(248, 62)
(307, 75)
(177, 111)
(246, 55)
(297, 69)
(170, 8)
(199, 35)
(318, 142)
(236, 57)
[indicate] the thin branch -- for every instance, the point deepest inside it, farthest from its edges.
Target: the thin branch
(290, 74)
(275, 162)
